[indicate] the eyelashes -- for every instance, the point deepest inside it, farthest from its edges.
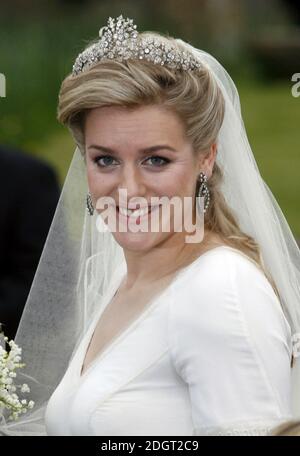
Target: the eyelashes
(107, 161)
(165, 161)
(102, 157)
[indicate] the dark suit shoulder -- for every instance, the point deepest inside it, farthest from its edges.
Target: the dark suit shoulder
(12, 159)
(19, 169)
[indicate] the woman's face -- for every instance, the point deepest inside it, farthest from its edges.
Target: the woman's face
(118, 156)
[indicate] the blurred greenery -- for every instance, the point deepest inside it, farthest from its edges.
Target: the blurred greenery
(38, 52)
(271, 117)
(35, 61)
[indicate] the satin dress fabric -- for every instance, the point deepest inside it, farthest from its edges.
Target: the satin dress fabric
(210, 355)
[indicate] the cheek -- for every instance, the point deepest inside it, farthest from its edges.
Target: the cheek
(90, 174)
(98, 183)
(179, 180)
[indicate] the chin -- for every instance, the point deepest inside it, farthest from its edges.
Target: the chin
(137, 241)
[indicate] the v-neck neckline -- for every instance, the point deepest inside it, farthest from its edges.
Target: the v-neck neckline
(154, 301)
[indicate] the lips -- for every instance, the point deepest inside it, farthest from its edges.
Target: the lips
(134, 206)
(140, 212)
(135, 215)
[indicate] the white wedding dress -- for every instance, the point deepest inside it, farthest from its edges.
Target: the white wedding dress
(210, 355)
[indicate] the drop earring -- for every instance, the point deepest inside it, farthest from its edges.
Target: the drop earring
(203, 191)
(89, 204)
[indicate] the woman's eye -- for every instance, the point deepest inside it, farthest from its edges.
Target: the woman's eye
(158, 161)
(106, 161)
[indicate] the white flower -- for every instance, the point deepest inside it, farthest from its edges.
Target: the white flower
(9, 362)
(25, 388)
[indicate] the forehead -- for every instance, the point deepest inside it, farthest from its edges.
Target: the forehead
(147, 123)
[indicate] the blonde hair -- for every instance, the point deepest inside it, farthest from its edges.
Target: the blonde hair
(196, 99)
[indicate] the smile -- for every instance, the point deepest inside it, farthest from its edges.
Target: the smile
(135, 213)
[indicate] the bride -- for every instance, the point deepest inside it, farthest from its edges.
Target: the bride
(129, 331)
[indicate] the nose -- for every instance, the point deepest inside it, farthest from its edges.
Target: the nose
(132, 181)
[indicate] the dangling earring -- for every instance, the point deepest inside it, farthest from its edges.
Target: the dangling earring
(203, 191)
(89, 204)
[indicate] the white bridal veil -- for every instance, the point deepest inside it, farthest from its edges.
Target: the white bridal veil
(78, 261)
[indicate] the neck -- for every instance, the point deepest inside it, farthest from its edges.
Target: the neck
(145, 267)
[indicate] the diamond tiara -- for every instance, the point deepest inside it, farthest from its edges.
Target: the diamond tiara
(119, 40)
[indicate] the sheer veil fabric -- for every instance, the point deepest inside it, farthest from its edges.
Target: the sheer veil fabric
(80, 258)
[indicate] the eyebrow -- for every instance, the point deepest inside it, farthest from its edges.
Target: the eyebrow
(146, 150)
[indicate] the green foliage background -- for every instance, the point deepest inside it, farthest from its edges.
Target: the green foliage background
(37, 52)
